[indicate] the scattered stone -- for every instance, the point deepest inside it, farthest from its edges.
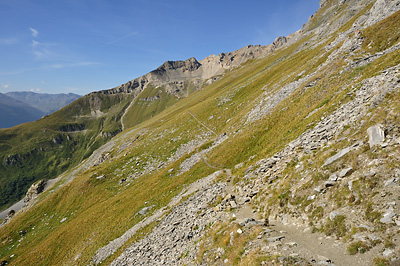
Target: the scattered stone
(231, 238)
(318, 189)
(341, 153)
(345, 172)
(350, 183)
(229, 197)
(388, 252)
(248, 170)
(312, 197)
(333, 177)
(233, 204)
(102, 158)
(370, 174)
(101, 177)
(337, 156)
(376, 136)
(275, 239)
(144, 210)
(329, 183)
(387, 217)
(9, 216)
(247, 221)
(365, 237)
(34, 190)
(390, 182)
(260, 235)
(333, 215)
(252, 222)
(365, 227)
(239, 165)
(239, 231)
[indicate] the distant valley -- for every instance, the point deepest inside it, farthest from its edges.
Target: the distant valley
(22, 106)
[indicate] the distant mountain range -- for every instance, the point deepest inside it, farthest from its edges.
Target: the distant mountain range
(13, 112)
(22, 106)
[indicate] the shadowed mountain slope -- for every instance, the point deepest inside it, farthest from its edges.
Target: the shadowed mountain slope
(14, 112)
(47, 103)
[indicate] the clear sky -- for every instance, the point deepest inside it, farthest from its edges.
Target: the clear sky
(79, 46)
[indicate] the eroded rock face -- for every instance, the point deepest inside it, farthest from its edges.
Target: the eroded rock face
(279, 42)
(9, 216)
(376, 136)
(191, 70)
(34, 190)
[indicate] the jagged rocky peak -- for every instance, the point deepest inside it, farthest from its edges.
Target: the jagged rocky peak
(197, 71)
(190, 64)
(279, 41)
(129, 87)
(231, 59)
(322, 3)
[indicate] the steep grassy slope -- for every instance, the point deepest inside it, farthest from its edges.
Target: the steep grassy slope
(44, 149)
(271, 124)
(47, 147)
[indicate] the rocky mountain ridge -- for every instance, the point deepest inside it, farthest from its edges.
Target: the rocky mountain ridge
(173, 73)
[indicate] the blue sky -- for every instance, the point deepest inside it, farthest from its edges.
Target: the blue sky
(79, 46)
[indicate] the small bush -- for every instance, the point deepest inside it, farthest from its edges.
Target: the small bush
(388, 243)
(371, 215)
(356, 247)
(337, 226)
(318, 212)
(379, 261)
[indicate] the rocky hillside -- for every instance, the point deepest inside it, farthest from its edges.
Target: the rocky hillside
(71, 134)
(286, 154)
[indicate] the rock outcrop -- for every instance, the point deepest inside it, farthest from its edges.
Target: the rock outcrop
(177, 72)
(34, 191)
(9, 216)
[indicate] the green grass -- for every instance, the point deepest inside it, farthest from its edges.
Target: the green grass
(45, 148)
(380, 261)
(336, 227)
(387, 35)
(356, 247)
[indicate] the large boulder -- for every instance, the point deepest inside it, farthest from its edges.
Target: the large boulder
(10, 215)
(34, 190)
(376, 136)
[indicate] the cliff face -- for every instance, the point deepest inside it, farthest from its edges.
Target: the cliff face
(196, 72)
(289, 159)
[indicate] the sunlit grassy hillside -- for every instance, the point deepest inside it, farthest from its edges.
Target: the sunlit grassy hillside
(146, 165)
